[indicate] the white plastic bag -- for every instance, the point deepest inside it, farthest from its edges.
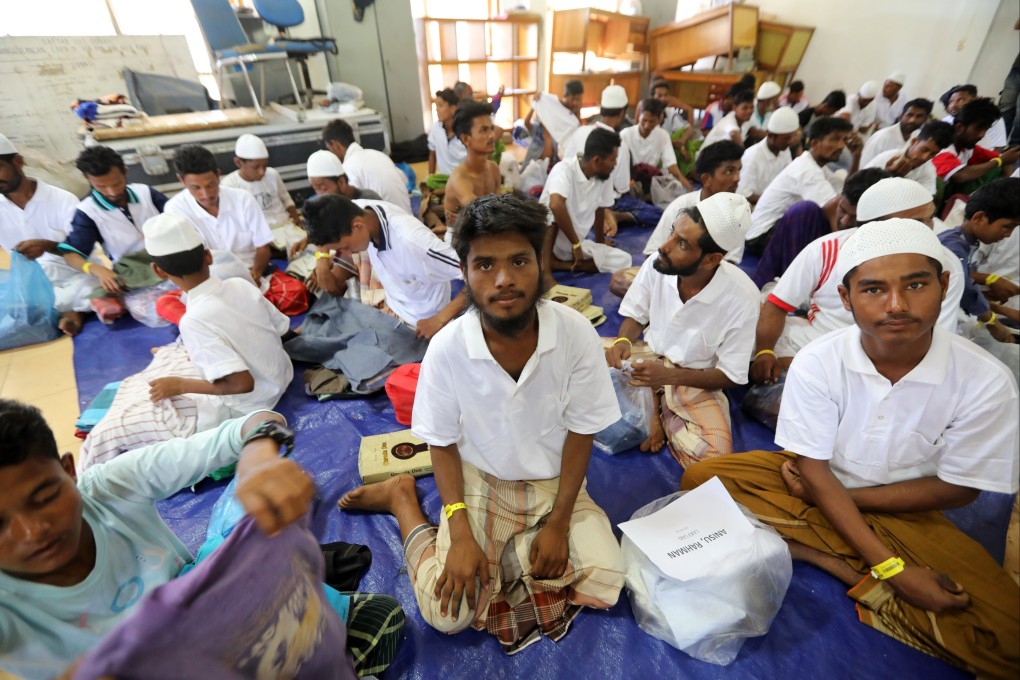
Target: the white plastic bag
(534, 175)
(608, 260)
(638, 408)
(665, 189)
(141, 304)
(710, 617)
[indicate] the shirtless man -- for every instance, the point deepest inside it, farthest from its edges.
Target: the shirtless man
(477, 175)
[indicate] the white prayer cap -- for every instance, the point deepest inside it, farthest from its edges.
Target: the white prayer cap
(324, 164)
(891, 195)
(250, 147)
(869, 90)
(614, 97)
(727, 218)
(6, 147)
(898, 77)
(168, 234)
(768, 90)
(783, 121)
(897, 236)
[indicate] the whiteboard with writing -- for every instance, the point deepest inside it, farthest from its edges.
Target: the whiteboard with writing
(40, 77)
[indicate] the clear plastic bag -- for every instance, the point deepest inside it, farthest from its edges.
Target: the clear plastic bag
(534, 175)
(637, 406)
(27, 314)
(762, 402)
(665, 189)
(710, 617)
(141, 304)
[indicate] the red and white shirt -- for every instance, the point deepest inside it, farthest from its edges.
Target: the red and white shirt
(951, 161)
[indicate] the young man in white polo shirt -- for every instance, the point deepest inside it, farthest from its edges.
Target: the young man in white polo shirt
(698, 313)
(913, 160)
(650, 144)
(884, 425)
(889, 104)
(413, 265)
(34, 218)
(764, 104)
(367, 168)
(613, 113)
(733, 126)
(763, 161)
(510, 398)
(896, 136)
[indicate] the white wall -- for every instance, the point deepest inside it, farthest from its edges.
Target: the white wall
(998, 52)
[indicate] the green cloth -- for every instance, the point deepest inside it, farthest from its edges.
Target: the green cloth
(436, 181)
(692, 146)
(135, 272)
(497, 152)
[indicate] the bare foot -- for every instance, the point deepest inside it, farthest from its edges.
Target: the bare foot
(381, 496)
(656, 437)
(70, 323)
(828, 563)
(794, 484)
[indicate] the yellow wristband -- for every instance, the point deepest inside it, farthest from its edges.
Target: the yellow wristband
(998, 161)
(888, 569)
(576, 246)
(764, 351)
(452, 508)
(991, 320)
(87, 267)
(320, 255)
(991, 278)
(626, 340)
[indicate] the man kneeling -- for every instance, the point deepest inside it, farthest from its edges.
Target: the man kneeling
(510, 397)
(885, 424)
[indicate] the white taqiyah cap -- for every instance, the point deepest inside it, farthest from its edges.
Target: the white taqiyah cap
(6, 147)
(167, 234)
(783, 120)
(768, 90)
(898, 77)
(614, 97)
(250, 147)
(324, 164)
(869, 90)
(897, 236)
(891, 195)
(727, 217)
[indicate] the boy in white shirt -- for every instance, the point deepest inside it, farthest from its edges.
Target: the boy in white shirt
(915, 114)
(367, 168)
(650, 144)
(860, 108)
(762, 162)
(914, 159)
(734, 124)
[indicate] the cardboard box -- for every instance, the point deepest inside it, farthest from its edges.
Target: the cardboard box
(386, 455)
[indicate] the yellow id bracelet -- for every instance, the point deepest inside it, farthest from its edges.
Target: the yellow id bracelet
(87, 268)
(320, 255)
(888, 569)
(764, 351)
(991, 278)
(452, 508)
(626, 340)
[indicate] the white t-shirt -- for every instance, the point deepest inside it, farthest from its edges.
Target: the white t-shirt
(47, 215)
(721, 130)
(759, 166)
(656, 149)
(714, 329)
(801, 104)
(270, 193)
(801, 180)
(887, 139)
(230, 327)
(450, 151)
(674, 120)
(663, 229)
(514, 430)
(887, 112)
(924, 174)
(413, 265)
(621, 173)
(934, 421)
(240, 227)
(584, 197)
(757, 120)
(859, 117)
(996, 136)
(371, 169)
(557, 119)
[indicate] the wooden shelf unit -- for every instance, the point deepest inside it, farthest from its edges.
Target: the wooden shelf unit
(717, 32)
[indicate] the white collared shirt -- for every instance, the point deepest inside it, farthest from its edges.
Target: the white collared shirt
(230, 327)
(557, 119)
(47, 215)
(859, 117)
(119, 234)
(450, 151)
(759, 166)
(952, 416)
(514, 430)
(374, 170)
(887, 139)
(801, 180)
(239, 227)
(621, 173)
(714, 329)
(584, 196)
(669, 216)
(923, 174)
(413, 265)
(656, 149)
(270, 193)
(887, 112)
(721, 130)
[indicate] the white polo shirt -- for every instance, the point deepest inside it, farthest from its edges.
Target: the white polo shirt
(413, 265)
(721, 130)
(118, 229)
(714, 329)
(924, 174)
(859, 117)
(514, 430)
(674, 121)
(887, 139)
(270, 193)
(47, 215)
(230, 327)
(952, 416)
(239, 228)
(656, 149)
(621, 173)
(584, 196)
(759, 166)
(373, 170)
(450, 151)
(801, 180)
(887, 112)
(665, 226)
(557, 119)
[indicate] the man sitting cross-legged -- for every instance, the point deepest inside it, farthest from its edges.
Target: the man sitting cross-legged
(885, 424)
(510, 397)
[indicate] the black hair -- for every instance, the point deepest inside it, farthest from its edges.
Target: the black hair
(338, 131)
(573, 88)
(329, 218)
(862, 180)
(746, 82)
(826, 125)
(7, 157)
(925, 105)
(464, 116)
(499, 213)
(705, 241)
(948, 94)
(981, 112)
(796, 86)
(192, 159)
(714, 155)
(997, 199)
(743, 97)
(97, 161)
(460, 87)
(938, 131)
(931, 260)
(24, 434)
(184, 263)
(653, 106)
(448, 96)
(600, 143)
(835, 99)
(656, 85)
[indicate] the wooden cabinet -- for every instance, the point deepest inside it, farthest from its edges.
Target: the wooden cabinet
(717, 32)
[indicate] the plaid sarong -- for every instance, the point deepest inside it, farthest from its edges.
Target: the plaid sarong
(374, 625)
(505, 517)
(696, 421)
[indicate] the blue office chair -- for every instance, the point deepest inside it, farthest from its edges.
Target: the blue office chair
(231, 49)
(284, 14)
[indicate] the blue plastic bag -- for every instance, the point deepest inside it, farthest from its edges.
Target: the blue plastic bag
(27, 314)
